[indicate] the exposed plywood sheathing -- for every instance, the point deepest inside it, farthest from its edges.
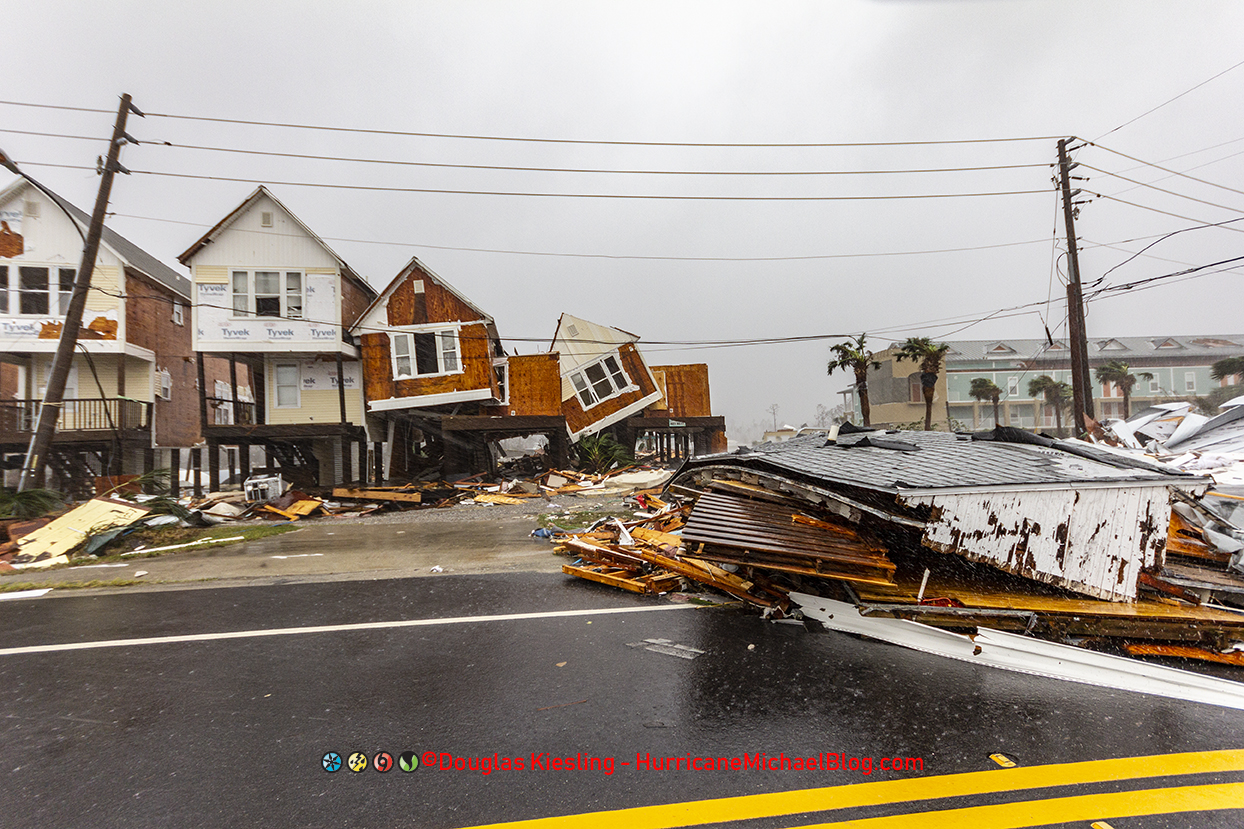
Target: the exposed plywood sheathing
(535, 384)
(684, 390)
(581, 421)
(1071, 538)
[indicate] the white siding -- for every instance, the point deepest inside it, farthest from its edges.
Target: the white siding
(245, 242)
(1093, 541)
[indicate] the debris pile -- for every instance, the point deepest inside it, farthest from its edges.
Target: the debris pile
(1176, 435)
(1002, 530)
(643, 557)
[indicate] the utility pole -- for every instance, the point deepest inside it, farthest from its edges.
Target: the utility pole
(53, 397)
(1081, 384)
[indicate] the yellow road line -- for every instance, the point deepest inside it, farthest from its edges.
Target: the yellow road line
(776, 804)
(1062, 809)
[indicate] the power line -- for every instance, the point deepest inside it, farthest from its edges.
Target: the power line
(1163, 212)
(1171, 100)
(638, 257)
(552, 140)
(1160, 239)
(1166, 169)
(1159, 189)
(652, 196)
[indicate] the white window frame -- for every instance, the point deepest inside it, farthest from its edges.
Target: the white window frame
(501, 368)
(588, 392)
(57, 298)
(447, 345)
(277, 385)
(179, 313)
(1155, 386)
(1012, 386)
(166, 384)
(288, 308)
(1190, 381)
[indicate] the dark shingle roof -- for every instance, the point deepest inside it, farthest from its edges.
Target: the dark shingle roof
(890, 461)
(135, 256)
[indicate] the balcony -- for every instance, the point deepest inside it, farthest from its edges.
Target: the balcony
(80, 419)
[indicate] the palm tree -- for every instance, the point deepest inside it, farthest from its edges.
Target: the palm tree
(985, 389)
(1227, 367)
(854, 355)
(1055, 393)
(930, 355)
(1120, 373)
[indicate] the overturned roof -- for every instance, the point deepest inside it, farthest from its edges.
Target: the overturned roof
(902, 461)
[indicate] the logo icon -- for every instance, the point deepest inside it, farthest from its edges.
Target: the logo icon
(332, 761)
(409, 761)
(382, 762)
(358, 761)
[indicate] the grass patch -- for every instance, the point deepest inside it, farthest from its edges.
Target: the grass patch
(579, 520)
(17, 587)
(168, 536)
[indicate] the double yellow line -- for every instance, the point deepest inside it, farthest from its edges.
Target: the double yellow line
(1014, 815)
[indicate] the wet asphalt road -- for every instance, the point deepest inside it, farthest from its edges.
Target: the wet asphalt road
(230, 732)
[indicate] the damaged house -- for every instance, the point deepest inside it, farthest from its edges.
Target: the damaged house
(270, 295)
(1003, 528)
(439, 387)
(133, 373)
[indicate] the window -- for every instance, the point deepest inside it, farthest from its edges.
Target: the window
(288, 381)
(599, 381)
(1190, 381)
(179, 313)
(501, 368)
(1154, 388)
(34, 291)
(268, 294)
(1012, 387)
(223, 408)
(915, 394)
(423, 353)
(166, 385)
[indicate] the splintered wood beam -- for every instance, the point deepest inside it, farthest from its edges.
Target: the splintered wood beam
(377, 495)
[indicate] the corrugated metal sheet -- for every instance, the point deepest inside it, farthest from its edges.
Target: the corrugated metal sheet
(1094, 541)
(745, 531)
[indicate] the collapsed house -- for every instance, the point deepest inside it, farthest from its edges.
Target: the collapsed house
(1001, 548)
(607, 386)
(440, 388)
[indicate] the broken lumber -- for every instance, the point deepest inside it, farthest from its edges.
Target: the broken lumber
(377, 495)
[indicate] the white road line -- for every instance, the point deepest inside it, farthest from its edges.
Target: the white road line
(401, 623)
(25, 594)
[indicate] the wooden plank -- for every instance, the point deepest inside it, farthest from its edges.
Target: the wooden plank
(304, 507)
(1186, 652)
(377, 495)
(276, 511)
(609, 577)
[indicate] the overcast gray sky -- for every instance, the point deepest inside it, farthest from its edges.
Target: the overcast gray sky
(691, 73)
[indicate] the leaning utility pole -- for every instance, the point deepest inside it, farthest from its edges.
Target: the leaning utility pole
(49, 412)
(1081, 384)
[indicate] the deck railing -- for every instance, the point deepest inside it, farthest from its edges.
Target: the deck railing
(91, 414)
(220, 412)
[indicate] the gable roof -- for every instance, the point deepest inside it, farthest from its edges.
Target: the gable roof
(249, 202)
(129, 253)
(1210, 346)
(407, 270)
